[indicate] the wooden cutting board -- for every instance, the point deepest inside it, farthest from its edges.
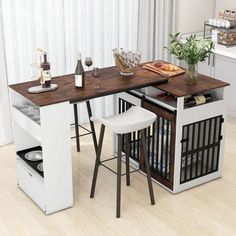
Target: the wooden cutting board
(152, 67)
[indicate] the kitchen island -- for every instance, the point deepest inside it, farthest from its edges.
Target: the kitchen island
(50, 132)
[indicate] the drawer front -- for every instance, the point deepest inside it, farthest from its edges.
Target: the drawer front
(31, 186)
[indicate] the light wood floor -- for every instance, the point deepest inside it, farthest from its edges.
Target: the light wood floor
(209, 209)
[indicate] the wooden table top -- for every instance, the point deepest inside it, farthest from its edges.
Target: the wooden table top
(178, 87)
(110, 82)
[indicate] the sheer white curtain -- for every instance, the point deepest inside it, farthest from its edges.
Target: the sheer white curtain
(64, 27)
(156, 18)
(5, 121)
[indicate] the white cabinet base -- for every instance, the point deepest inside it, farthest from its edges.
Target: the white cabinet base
(53, 191)
(31, 185)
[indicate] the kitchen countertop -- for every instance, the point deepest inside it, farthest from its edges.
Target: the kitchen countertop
(110, 82)
(224, 51)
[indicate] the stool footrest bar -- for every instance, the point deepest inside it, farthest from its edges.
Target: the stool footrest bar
(108, 168)
(116, 172)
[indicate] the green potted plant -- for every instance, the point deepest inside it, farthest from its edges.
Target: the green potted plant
(193, 50)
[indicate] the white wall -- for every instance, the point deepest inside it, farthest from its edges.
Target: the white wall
(191, 14)
(225, 4)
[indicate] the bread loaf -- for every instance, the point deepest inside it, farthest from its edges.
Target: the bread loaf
(169, 67)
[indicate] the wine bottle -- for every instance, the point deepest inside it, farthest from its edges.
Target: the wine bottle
(45, 64)
(46, 73)
(197, 100)
(79, 72)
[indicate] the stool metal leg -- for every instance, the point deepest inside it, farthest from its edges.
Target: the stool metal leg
(147, 168)
(118, 192)
(97, 163)
(76, 127)
(127, 154)
(92, 126)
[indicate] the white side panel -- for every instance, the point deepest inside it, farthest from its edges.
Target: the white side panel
(222, 146)
(192, 115)
(56, 144)
(203, 112)
(178, 137)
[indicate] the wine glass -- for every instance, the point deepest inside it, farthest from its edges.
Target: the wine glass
(88, 63)
(96, 74)
(35, 70)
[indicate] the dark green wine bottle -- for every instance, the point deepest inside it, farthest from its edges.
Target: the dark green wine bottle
(79, 72)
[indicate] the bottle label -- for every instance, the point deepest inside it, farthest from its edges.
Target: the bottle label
(46, 78)
(78, 81)
(47, 75)
(200, 99)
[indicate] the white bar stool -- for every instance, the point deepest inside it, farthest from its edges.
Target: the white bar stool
(134, 119)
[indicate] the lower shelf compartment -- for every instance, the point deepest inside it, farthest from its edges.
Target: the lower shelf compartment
(32, 164)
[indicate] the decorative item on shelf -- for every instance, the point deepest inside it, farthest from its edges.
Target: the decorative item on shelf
(227, 38)
(45, 71)
(222, 28)
(126, 61)
(193, 51)
(44, 75)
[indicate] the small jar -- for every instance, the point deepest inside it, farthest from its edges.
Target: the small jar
(223, 23)
(226, 14)
(218, 22)
(227, 24)
(214, 22)
(214, 35)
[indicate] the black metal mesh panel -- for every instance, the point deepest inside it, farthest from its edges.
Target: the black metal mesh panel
(158, 141)
(158, 146)
(200, 148)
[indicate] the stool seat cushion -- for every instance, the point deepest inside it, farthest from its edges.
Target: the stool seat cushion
(136, 118)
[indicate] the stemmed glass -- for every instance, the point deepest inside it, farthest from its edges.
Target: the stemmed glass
(88, 63)
(96, 74)
(36, 71)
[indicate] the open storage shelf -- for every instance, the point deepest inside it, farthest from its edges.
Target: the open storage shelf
(32, 164)
(225, 37)
(37, 128)
(30, 116)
